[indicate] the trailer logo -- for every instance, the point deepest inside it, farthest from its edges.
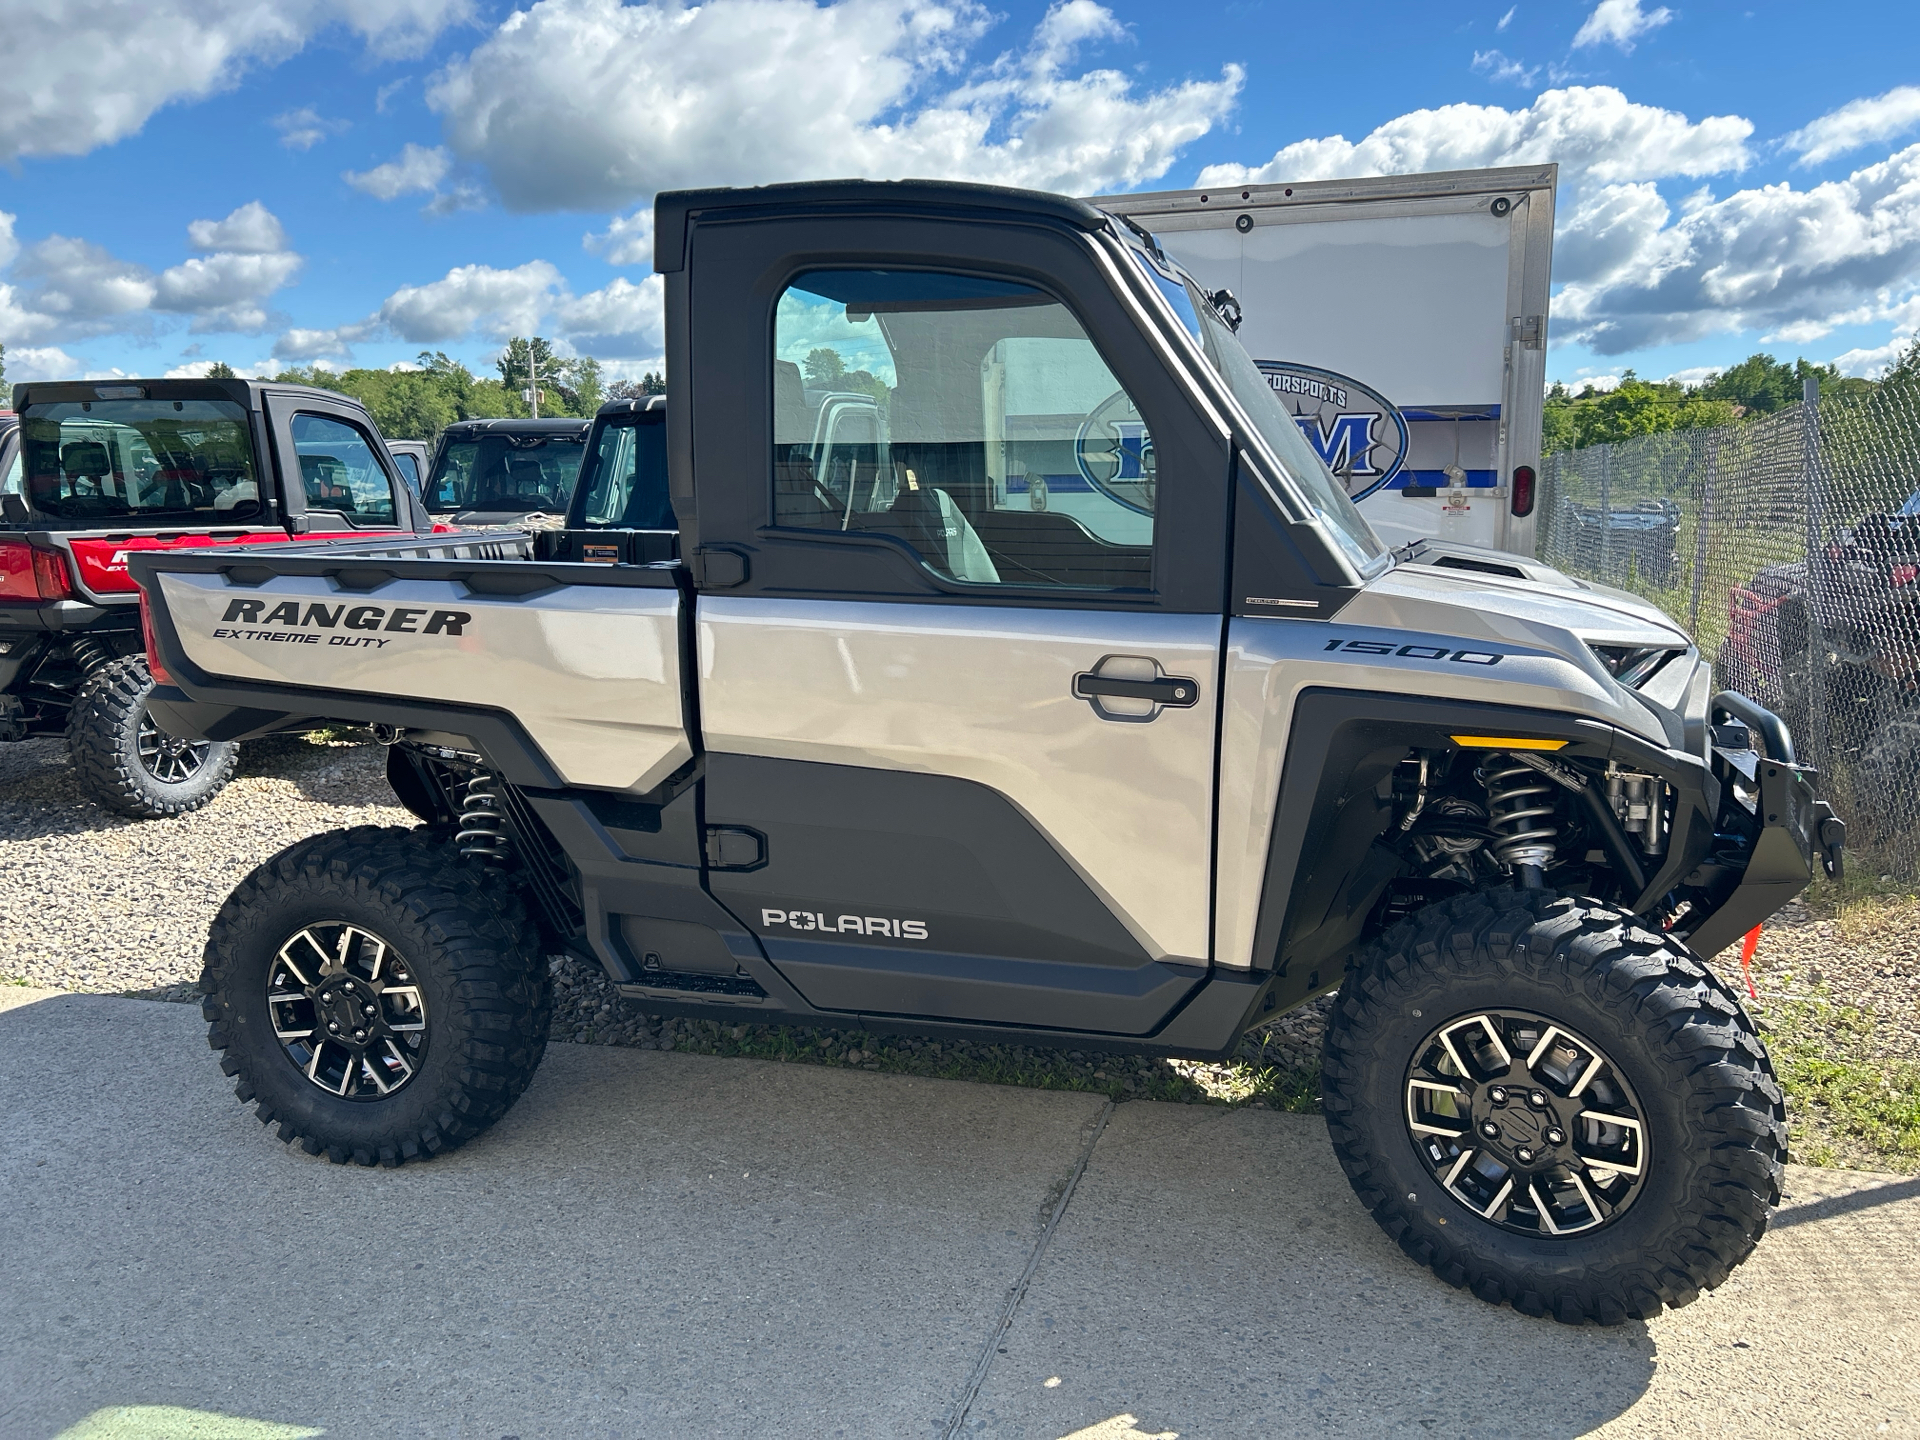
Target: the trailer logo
(1360, 434)
(1114, 453)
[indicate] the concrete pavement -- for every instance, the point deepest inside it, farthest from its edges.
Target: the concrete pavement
(669, 1245)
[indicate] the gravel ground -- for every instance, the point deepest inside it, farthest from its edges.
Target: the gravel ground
(92, 902)
(1873, 964)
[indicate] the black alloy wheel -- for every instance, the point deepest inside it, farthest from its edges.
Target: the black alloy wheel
(347, 1011)
(170, 759)
(375, 996)
(1553, 1106)
(1526, 1123)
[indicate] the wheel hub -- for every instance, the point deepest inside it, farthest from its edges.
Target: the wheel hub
(348, 1010)
(1526, 1123)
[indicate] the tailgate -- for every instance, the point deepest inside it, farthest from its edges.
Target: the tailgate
(584, 660)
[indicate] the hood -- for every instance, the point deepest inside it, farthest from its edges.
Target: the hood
(1625, 648)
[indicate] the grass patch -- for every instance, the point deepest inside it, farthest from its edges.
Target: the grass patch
(1844, 1107)
(1863, 906)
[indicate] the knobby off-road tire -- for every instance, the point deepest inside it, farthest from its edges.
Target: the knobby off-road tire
(438, 951)
(1681, 1048)
(127, 762)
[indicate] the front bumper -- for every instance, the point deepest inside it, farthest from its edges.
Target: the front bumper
(1796, 832)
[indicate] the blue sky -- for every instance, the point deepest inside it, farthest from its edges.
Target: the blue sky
(352, 181)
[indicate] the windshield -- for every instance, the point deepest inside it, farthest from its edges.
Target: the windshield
(1250, 387)
(626, 478)
(505, 472)
(97, 462)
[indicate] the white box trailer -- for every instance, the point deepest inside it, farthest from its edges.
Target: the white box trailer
(1404, 321)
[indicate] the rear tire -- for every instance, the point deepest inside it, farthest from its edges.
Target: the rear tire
(130, 765)
(1683, 1057)
(391, 924)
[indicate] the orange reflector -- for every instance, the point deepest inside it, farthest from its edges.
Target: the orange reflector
(1506, 742)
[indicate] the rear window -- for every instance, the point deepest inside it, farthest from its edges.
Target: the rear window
(174, 462)
(626, 479)
(505, 473)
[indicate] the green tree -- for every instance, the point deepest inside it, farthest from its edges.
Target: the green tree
(823, 367)
(220, 370)
(3, 365)
(1905, 369)
(651, 383)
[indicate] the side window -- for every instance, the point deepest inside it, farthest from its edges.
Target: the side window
(14, 481)
(409, 468)
(972, 419)
(340, 471)
(629, 485)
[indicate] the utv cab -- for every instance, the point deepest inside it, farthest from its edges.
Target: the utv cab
(498, 472)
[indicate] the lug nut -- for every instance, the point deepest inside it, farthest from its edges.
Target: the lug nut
(333, 1027)
(1556, 1136)
(369, 1009)
(1538, 1099)
(1490, 1130)
(1524, 1155)
(359, 1034)
(1498, 1094)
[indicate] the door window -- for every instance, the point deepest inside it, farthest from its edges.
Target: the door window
(340, 470)
(627, 484)
(971, 419)
(409, 467)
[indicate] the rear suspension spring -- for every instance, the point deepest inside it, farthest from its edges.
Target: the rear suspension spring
(483, 833)
(90, 653)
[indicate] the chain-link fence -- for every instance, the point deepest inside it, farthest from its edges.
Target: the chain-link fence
(1717, 526)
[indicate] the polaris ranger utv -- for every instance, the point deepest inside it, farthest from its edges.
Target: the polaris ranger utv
(946, 724)
(96, 472)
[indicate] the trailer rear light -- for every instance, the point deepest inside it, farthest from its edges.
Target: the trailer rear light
(1523, 490)
(30, 574)
(154, 667)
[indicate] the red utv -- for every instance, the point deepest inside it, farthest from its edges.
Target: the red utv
(89, 473)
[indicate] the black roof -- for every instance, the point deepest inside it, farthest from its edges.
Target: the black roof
(674, 209)
(240, 392)
(557, 425)
(632, 407)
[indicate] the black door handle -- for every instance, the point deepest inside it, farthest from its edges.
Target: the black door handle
(1168, 690)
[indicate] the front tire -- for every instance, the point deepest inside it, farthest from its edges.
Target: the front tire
(127, 762)
(1623, 1163)
(375, 998)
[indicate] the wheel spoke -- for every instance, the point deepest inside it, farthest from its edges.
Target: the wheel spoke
(352, 1036)
(1493, 1107)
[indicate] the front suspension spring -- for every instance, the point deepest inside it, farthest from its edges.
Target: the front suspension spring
(1520, 812)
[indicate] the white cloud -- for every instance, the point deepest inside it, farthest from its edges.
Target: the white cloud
(627, 241)
(1502, 70)
(9, 247)
(1505, 20)
(1784, 262)
(303, 346)
(224, 291)
(416, 169)
(306, 127)
(27, 362)
(1592, 131)
(575, 104)
(473, 298)
(63, 288)
(251, 230)
(100, 68)
(1620, 23)
(624, 319)
(197, 370)
(1856, 123)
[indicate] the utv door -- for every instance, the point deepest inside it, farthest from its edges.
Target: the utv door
(963, 688)
(335, 473)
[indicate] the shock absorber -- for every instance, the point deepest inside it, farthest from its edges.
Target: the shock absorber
(89, 653)
(483, 833)
(1520, 813)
